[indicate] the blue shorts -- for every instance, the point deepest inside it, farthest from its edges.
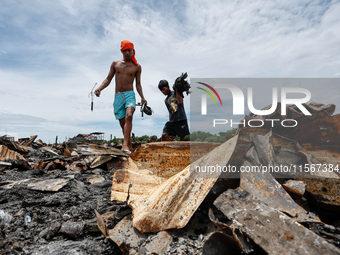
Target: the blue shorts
(122, 101)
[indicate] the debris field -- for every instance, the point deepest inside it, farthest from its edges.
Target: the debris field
(79, 197)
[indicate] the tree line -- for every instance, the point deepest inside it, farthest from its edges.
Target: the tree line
(199, 136)
(221, 137)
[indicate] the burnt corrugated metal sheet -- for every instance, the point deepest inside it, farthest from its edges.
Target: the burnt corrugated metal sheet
(128, 239)
(261, 183)
(321, 132)
(296, 187)
(329, 155)
(165, 159)
(7, 154)
(267, 189)
(163, 203)
(143, 182)
(324, 190)
(95, 149)
(274, 231)
(172, 204)
(153, 163)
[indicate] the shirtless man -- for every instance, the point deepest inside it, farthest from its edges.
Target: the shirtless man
(126, 70)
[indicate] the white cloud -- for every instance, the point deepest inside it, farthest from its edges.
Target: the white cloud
(52, 53)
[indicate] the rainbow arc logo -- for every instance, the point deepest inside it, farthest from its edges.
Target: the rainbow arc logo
(209, 93)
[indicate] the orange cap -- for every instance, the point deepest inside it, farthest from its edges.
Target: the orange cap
(128, 45)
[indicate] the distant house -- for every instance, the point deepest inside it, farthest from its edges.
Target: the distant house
(7, 138)
(99, 136)
(94, 137)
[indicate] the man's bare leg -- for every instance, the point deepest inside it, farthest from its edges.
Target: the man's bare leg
(122, 125)
(126, 124)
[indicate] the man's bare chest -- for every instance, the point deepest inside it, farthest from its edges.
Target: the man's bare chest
(127, 69)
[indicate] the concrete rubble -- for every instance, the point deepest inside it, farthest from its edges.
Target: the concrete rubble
(84, 198)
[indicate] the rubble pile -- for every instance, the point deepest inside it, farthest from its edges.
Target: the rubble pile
(83, 198)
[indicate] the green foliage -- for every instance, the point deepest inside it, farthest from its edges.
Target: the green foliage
(227, 134)
(212, 139)
(200, 136)
(143, 138)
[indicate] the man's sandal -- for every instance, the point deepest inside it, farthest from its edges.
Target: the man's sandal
(127, 151)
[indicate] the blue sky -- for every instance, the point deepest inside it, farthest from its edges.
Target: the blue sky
(53, 52)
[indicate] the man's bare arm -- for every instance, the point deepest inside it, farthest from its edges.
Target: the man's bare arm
(179, 98)
(138, 84)
(108, 79)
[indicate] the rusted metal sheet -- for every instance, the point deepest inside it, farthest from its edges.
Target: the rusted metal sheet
(324, 171)
(267, 189)
(100, 159)
(264, 149)
(165, 159)
(12, 145)
(317, 110)
(287, 151)
(101, 224)
(273, 150)
(296, 187)
(278, 150)
(233, 237)
(172, 203)
(143, 182)
(66, 150)
(48, 185)
(258, 180)
(329, 155)
(3, 165)
(268, 227)
(49, 150)
(159, 243)
(11, 184)
(324, 190)
(324, 131)
(115, 163)
(95, 149)
(39, 165)
(98, 154)
(7, 154)
(29, 141)
(244, 142)
(131, 241)
(125, 236)
(93, 179)
(37, 184)
(151, 164)
(78, 166)
(50, 166)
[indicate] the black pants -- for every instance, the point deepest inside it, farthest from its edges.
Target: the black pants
(179, 128)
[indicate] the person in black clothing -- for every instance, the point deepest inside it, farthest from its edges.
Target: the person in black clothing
(177, 124)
